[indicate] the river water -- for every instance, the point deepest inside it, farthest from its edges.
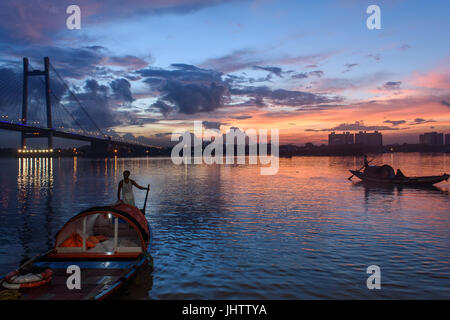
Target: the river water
(227, 232)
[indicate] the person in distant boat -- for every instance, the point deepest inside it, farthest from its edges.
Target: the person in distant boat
(399, 174)
(126, 185)
(366, 163)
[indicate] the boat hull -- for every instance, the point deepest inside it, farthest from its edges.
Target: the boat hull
(408, 181)
(103, 273)
(99, 279)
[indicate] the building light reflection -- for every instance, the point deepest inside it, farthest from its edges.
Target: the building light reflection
(35, 172)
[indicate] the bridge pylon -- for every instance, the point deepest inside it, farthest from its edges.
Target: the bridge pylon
(46, 73)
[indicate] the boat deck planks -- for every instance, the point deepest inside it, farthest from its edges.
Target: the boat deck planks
(93, 281)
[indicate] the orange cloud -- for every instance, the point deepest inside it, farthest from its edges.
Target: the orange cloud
(432, 80)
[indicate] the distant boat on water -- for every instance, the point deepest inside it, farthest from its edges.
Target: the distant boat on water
(400, 180)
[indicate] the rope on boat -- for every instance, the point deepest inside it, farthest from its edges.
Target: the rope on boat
(10, 295)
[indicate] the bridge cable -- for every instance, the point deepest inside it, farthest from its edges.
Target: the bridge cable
(78, 101)
(65, 109)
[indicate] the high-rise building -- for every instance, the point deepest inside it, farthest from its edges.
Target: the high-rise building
(336, 139)
(447, 139)
(432, 138)
(369, 138)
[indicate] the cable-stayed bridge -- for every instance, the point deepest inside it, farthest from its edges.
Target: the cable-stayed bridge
(40, 104)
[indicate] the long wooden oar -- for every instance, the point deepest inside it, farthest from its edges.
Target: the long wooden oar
(350, 178)
(145, 201)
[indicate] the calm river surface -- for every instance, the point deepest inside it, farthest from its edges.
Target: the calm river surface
(226, 232)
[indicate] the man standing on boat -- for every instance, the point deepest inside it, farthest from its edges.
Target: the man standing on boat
(126, 185)
(366, 163)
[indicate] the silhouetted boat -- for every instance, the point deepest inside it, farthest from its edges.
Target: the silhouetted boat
(108, 245)
(410, 181)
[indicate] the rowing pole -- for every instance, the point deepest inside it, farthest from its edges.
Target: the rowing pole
(145, 201)
(350, 178)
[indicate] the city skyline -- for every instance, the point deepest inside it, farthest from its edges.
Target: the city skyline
(306, 69)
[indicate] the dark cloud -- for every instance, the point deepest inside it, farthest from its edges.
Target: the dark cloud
(304, 75)
(255, 101)
(160, 106)
(237, 60)
(104, 103)
(10, 94)
(282, 96)
(186, 89)
(79, 63)
(349, 66)
(250, 102)
(234, 80)
(391, 85)
(132, 77)
(357, 126)
(420, 121)
(128, 61)
(193, 98)
(274, 70)
(319, 107)
(163, 134)
(69, 62)
(212, 125)
(405, 47)
(445, 103)
(180, 73)
(301, 75)
(243, 117)
(304, 59)
(247, 58)
(375, 56)
(122, 90)
(343, 84)
(138, 121)
(395, 122)
(94, 97)
(316, 73)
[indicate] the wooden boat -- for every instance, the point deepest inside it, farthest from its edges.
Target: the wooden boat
(396, 180)
(108, 245)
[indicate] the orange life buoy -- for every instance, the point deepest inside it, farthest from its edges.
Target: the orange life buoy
(15, 281)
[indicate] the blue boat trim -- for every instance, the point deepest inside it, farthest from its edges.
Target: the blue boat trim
(101, 294)
(87, 264)
(127, 276)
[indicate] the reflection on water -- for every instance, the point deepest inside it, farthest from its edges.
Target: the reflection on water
(35, 175)
(228, 232)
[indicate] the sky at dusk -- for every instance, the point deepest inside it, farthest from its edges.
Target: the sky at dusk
(148, 68)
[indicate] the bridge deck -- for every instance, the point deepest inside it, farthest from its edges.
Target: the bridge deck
(67, 135)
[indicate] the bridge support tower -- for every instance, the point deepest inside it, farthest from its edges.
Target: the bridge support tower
(46, 73)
